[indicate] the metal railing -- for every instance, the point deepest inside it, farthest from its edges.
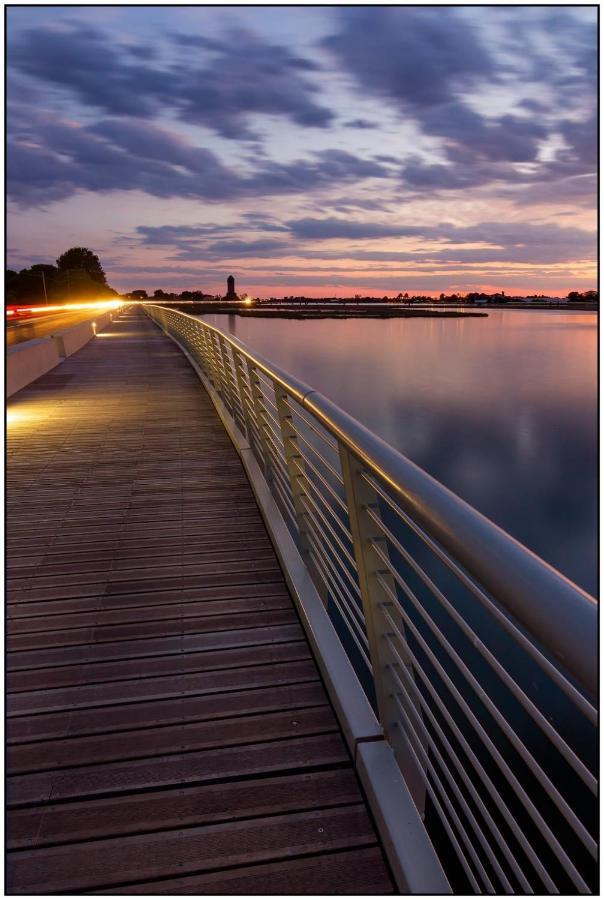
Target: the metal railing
(480, 659)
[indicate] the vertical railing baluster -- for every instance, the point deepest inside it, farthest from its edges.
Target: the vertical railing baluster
(360, 497)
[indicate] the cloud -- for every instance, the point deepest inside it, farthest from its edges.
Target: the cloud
(237, 249)
(51, 159)
(502, 242)
(411, 55)
(89, 64)
(325, 229)
(434, 69)
(362, 124)
(249, 75)
(577, 191)
(328, 168)
(170, 235)
(445, 244)
(57, 158)
(245, 75)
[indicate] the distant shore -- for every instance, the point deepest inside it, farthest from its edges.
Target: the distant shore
(353, 310)
(369, 311)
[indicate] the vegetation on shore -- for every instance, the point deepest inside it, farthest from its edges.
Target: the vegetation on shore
(78, 274)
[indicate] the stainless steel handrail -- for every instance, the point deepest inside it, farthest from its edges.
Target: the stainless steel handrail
(559, 613)
(404, 622)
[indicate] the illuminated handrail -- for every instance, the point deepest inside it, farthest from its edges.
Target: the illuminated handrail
(481, 658)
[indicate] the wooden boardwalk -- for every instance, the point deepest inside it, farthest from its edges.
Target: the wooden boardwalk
(168, 729)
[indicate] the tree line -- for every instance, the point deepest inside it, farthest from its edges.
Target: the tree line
(77, 275)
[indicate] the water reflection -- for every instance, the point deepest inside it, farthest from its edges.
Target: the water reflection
(502, 410)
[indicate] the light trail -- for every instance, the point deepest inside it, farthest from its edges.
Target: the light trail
(65, 307)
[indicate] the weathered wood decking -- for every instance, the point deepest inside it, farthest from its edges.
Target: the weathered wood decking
(168, 730)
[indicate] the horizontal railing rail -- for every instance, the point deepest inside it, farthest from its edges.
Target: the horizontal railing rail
(480, 659)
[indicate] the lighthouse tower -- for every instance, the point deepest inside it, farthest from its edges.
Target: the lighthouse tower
(230, 294)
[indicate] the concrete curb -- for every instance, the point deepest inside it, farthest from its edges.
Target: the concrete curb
(28, 361)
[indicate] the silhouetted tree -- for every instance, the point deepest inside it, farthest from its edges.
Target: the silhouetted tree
(49, 271)
(585, 297)
(82, 258)
(142, 295)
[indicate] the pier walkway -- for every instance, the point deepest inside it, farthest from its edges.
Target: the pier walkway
(168, 729)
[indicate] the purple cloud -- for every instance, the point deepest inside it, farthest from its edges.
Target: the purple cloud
(245, 76)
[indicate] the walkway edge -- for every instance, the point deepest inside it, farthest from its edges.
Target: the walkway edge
(30, 360)
(415, 866)
(412, 857)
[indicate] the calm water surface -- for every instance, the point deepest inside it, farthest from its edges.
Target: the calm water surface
(503, 410)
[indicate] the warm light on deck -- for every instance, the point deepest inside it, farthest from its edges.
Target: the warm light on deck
(16, 417)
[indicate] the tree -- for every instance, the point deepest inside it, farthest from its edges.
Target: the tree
(49, 271)
(585, 297)
(159, 294)
(141, 294)
(82, 258)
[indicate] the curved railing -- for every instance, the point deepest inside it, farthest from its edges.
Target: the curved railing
(479, 658)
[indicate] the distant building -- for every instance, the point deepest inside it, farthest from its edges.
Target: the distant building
(230, 294)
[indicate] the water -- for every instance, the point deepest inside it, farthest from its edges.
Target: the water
(502, 410)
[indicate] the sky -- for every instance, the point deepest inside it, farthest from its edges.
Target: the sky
(318, 151)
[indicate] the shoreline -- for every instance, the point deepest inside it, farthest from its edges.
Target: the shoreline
(351, 310)
(198, 309)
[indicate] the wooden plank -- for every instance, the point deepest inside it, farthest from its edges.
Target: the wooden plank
(47, 726)
(238, 637)
(101, 634)
(183, 737)
(139, 813)
(23, 609)
(193, 684)
(196, 582)
(359, 873)
(112, 778)
(80, 867)
(145, 613)
(31, 680)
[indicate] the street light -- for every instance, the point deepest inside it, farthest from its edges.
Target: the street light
(44, 283)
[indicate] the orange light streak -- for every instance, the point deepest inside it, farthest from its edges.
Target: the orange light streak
(66, 307)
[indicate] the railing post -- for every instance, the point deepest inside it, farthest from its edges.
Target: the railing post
(297, 481)
(226, 365)
(205, 354)
(237, 363)
(215, 345)
(211, 359)
(261, 423)
(359, 497)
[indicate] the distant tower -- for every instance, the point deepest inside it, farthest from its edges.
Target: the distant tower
(231, 295)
